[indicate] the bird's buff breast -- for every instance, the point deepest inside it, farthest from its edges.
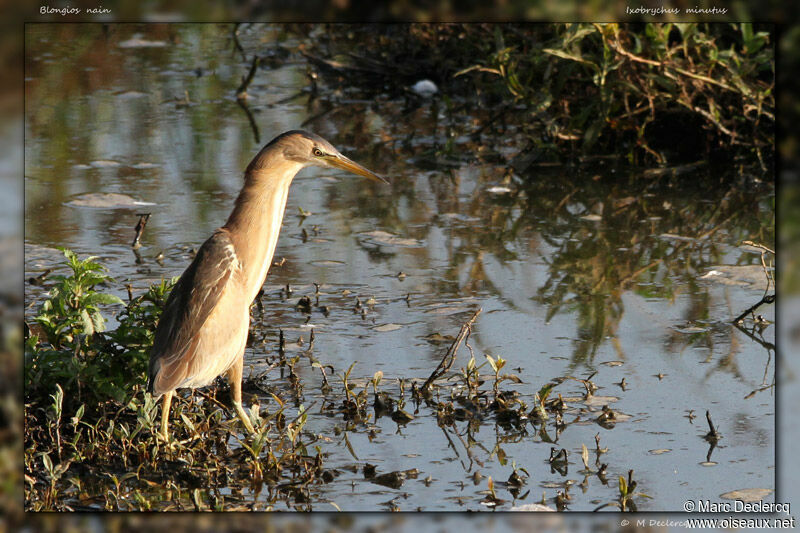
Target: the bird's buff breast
(221, 339)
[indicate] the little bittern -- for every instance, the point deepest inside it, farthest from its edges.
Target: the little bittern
(204, 327)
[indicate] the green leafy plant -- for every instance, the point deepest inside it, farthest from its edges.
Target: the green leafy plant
(137, 326)
(497, 365)
(71, 351)
(539, 411)
(73, 308)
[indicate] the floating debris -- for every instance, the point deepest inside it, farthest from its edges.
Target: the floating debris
(594, 401)
(438, 338)
(396, 479)
(690, 329)
(104, 163)
(448, 310)
(136, 42)
(387, 327)
(379, 237)
(425, 88)
(743, 275)
(533, 508)
(128, 95)
(660, 451)
(747, 495)
(673, 237)
(106, 201)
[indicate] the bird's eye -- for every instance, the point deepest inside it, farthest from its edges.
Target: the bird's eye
(317, 152)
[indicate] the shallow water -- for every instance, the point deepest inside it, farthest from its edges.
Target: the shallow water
(577, 270)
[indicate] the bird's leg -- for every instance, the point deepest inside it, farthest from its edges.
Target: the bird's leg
(165, 414)
(235, 381)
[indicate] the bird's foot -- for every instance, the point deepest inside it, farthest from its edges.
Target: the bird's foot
(244, 417)
(166, 441)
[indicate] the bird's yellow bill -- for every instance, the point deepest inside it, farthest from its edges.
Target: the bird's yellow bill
(349, 165)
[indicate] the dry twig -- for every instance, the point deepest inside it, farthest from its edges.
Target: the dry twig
(450, 356)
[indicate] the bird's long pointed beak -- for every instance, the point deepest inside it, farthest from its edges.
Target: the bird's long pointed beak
(344, 163)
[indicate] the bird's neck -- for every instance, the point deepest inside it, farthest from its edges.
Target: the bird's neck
(255, 222)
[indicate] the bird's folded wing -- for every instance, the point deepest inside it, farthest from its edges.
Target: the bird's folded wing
(189, 305)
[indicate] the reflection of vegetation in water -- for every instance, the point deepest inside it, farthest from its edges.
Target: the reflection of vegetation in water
(651, 232)
(607, 238)
(102, 89)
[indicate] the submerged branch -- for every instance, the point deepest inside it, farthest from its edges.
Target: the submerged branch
(768, 299)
